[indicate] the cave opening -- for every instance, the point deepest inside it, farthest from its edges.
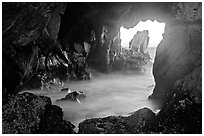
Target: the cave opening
(155, 33)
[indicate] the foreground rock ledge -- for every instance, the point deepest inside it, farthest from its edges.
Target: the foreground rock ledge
(118, 124)
(27, 113)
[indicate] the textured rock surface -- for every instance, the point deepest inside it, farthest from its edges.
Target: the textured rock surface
(182, 114)
(180, 50)
(27, 113)
(140, 41)
(30, 33)
(193, 84)
(118, 124)
(23, 24)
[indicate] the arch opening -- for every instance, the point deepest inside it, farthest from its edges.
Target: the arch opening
(155, 32)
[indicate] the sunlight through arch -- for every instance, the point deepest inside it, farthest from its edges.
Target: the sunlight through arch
(155, 29)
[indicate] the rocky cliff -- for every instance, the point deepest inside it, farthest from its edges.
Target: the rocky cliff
(180, 52)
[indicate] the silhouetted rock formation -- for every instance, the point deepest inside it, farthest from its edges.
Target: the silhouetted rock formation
(140, 41)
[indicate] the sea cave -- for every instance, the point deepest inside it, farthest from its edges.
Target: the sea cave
(102, 68)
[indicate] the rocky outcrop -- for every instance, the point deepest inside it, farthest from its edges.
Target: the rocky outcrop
(27, 113)
(73, 96)
(30, 33)
(23, 25)
(182, 114)
(118, 124)
(140, 41)
(179, 53)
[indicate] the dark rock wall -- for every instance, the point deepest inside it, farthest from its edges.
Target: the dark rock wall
(180, 52)
(23, 24)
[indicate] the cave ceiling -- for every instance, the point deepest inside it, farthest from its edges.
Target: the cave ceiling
(126, 14)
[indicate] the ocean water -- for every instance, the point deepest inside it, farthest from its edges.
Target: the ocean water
(117, 93)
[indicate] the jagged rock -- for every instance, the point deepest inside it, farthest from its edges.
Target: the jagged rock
(81, 69)
(74, 96)
(29, 113)
(129, 59)
(22, 27)
(140, 41)
(51, 84)
(118, 124)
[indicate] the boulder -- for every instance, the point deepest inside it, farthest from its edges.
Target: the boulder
(107, 125)
(118, 124)
(52, 122)
(74, 96)
(142, 118)
(27, 113)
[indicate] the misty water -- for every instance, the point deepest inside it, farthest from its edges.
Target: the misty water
(107, 94)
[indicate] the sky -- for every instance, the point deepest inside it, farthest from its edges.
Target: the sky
(155, 28)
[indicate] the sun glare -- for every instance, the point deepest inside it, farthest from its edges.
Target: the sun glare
(155, 29)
